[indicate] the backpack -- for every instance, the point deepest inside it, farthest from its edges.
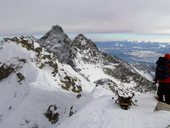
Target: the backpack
(162, 68)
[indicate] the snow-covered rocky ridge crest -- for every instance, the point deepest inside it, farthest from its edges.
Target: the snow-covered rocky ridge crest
(97, 67)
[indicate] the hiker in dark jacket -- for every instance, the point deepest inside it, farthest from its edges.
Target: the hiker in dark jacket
(163, 91)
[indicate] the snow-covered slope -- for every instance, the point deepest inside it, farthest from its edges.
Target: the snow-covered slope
(101, 112)
(33, 81)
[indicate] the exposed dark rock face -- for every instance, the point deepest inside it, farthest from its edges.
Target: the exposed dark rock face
(51, 114)
(57, 42)
(20, 76)
(69, 84)
(86, 48)
(5, 71)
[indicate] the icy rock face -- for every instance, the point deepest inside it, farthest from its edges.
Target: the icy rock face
(86, 48)
(57, 42)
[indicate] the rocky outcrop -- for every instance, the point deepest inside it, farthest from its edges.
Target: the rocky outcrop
(5, 71)
(86, 48)
(57, 42)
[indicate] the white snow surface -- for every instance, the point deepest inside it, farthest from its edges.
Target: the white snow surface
(22, 105)
(102, 112)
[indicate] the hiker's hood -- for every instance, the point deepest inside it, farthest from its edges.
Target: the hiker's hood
(167, 56)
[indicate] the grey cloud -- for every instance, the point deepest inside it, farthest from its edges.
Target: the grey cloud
(128, 16)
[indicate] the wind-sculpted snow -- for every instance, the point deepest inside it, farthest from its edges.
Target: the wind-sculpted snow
(102, 112)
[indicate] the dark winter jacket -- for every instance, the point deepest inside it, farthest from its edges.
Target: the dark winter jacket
(167, 80)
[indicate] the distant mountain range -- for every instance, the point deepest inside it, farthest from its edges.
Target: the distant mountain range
(142, 55)
(131, 51)
(135, 51)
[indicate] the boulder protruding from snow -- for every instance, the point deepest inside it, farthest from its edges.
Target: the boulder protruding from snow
(5, 71)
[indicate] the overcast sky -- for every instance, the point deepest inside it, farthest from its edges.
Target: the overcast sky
(84, 16)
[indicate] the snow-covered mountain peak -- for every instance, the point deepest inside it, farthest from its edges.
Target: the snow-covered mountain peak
(84, 43)
(86, 59)
(56, 41)
(79, 38)
(57, 29)
(55, 36)
(85, 50)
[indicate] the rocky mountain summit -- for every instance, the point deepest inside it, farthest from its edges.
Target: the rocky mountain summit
(86, 59)
(86, 48)
(56, 41)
